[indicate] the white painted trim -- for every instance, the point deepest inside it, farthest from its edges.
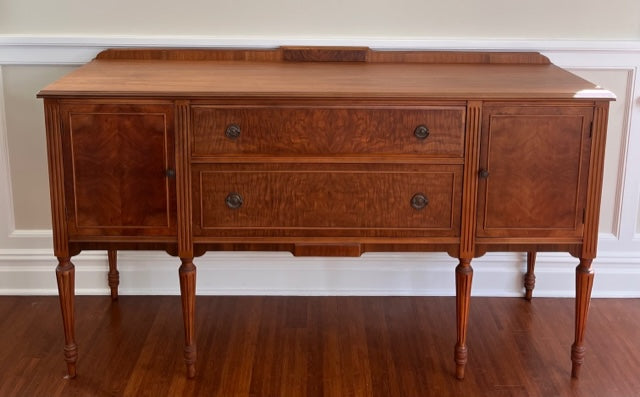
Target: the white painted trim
(31, 234)
(624, 144)
(9, 236)
(623, 154)
(268, 273)
(633, 180)
(7, 221)
(43, 49)
(606, 237)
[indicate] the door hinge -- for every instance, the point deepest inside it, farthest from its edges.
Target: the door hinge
(584, 215)
(591, 129)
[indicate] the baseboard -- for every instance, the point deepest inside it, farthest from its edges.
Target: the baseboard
(31, 272)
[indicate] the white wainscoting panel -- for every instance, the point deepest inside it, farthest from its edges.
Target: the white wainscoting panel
(27, 264)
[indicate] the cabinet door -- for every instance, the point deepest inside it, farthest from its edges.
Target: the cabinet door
(116, 162)
(534, 163)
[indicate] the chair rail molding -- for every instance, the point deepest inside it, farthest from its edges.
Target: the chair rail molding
(42, 49)
(27, 263)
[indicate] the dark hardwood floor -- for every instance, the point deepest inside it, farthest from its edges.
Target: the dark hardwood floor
(318, 346)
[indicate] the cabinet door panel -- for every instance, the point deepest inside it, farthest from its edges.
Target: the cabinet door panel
(118, 156)
(537, 161)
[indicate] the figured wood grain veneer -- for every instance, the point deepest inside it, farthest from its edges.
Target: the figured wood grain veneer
(324, 151)
(549, 198)
(294, 130)
(118, 183)
(377, 201)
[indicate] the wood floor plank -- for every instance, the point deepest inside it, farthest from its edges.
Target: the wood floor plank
(318, 346)
(381, 365)
(238, 365)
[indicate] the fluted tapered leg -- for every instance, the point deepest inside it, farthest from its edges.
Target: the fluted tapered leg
(114, 276)
(65, 275)
(188, 294)
(530, 275)
(464, 276)
(584, 283)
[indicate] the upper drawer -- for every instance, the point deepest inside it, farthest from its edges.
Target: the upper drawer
(436, 131)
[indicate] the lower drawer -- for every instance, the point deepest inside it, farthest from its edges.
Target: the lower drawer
(326, 201)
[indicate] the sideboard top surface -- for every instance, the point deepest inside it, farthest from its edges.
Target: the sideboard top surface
(439, 79)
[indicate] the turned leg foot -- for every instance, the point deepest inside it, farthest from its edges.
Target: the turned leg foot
(464, 275)
(530, 276)
(460, 356)
(114, 276)
(584, 284)
(188, 295)
(65, 276)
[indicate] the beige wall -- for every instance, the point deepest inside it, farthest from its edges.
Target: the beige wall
(617, 81)
(36, 36)
(513, 19)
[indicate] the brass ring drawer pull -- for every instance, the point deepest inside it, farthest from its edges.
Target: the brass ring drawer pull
(419, 201)
(234, 201)
(421, 132)
(232, 131)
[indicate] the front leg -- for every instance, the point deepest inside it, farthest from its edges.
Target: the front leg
(65, 275)
(584, 283)
(188, 294)
(464, 276)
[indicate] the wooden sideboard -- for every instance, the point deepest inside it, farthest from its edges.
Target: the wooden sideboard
(324, 152)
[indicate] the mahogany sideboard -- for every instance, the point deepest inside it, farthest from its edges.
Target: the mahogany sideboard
(324, 151)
